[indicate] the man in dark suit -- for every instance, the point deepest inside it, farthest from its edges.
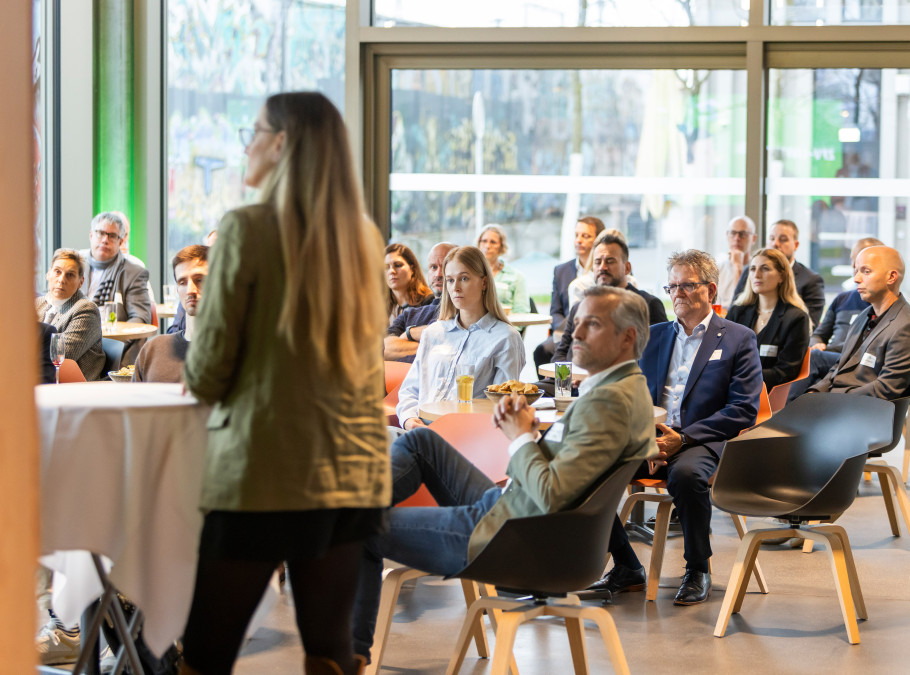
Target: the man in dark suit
(784, 236)
(705, 372)
(586, 231)
(47, 374)
(611, 266)
(875, 360)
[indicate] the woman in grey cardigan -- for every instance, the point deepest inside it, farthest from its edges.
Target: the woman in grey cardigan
(72, 314)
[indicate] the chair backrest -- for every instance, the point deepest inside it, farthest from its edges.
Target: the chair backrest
(113, 353)
(806, 461)
(558, 552)
(70, 372)
(901, 405)
(764, 406)
(154, 313)
(395, 372)
(778, 395)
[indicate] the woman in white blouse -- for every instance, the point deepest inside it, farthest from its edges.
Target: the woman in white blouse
(472, 329)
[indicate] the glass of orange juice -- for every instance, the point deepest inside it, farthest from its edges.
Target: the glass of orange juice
(464, 378)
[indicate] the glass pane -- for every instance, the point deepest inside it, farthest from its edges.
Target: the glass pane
(837, 161)
(39, 123)
(839, 12)
(221, 66)
(659, 155)
(560, 13)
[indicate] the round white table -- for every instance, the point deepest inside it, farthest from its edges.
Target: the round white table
(121, 474)
(547, 416)
(126, 331)
(549, 370)
(529, 319)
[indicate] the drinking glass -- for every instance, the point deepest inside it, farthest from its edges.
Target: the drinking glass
(170, 295)
(464, 377)
(109, 316)
(563, 376)
(58, 352)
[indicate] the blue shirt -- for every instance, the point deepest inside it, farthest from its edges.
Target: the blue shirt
(685, 347)
(421, 315)
(492, 346)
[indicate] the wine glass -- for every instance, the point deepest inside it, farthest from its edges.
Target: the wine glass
(58, 352)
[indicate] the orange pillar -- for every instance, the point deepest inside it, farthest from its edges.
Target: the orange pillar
(18, 349)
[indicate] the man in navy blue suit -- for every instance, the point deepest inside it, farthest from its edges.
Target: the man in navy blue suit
(586, 231)
(706, 373)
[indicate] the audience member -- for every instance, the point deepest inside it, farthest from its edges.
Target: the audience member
(705, 372)
(610, 424)
(784, 236)
(162, 358)
(71, 313)
(771, 307)
(403, 336)
(586, 231)
(875, 360)
(509, 282)
(827, 340)
(407, 287)
(110, 277)
(47, 374)
(740, 239)
(472, 330)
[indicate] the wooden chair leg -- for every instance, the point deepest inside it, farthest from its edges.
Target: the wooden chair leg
(900, 491)
(658, 544)
(834, 545)
(505, 638)
(388, 598)
(906, 460)
(853, 577)
(739, 522)
(884, 481)
(576, 631)
(472, 593)
(605, 623)
(748, 549)
(489, 591)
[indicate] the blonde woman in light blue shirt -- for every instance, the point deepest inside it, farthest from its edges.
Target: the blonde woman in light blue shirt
(472, 329)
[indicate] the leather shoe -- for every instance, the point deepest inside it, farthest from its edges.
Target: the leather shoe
(618, 580)
(694, 588)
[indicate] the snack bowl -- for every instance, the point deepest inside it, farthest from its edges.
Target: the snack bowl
(125, 374)
(496, 395)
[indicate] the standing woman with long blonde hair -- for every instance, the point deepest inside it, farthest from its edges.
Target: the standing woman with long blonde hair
(288, 348)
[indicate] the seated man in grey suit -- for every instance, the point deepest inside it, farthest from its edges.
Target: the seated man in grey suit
(110, 277)
(875, 360)
(611, 423)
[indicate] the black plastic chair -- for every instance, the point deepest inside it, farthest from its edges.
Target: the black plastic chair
(804, 464)
(890, 479)
(113, 354)
(548, 556)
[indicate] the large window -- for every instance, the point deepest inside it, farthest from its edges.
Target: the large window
(224, 58)
(839, 12)
(837, 160)
(656, 154)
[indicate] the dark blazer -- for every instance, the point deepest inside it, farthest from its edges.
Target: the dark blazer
(809, 285)
(656, 314)
(724, 385)
(46, 373)
(563, 275)
(880, 365)
(782, 343)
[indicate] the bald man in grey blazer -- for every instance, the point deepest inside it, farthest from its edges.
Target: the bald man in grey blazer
(876, 356)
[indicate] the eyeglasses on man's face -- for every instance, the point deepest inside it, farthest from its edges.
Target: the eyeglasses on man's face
(101, 234)
(739, 234)
(247, 134)
(687, 287)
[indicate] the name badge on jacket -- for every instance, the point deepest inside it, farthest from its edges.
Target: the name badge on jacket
(868, 360)
(555, 432)
(716, 355)
(767, 350)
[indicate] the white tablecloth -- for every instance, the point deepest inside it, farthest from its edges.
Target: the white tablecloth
(121, 472)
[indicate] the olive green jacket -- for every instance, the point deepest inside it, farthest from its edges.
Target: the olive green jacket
(610, 425)
(283, 435)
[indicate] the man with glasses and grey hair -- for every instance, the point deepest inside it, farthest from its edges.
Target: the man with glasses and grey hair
(706, 373)
(740, 238)
(110, 277)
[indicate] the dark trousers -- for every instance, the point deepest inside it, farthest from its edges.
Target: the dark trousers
(820, 362)
(687, 475)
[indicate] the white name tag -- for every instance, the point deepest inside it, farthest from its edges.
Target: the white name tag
(556, 431)
(853, 318)
(767, 350)
(716, 355)
(867, 360)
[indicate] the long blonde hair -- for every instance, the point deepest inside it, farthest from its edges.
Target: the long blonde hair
(474, 259)
(332, 251)
(787, 289)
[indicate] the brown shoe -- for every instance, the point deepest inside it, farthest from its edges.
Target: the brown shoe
(318, 665)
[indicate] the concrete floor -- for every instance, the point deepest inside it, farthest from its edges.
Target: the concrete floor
(797, 627)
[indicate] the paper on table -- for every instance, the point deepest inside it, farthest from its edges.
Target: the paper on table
(544, 403)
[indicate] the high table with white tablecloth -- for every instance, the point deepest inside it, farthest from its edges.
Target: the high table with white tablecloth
(121, 472)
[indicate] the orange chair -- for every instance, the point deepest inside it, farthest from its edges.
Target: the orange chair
(765, 410)
(395, 372)
(70, 372)
(778, 395)
(488, 449)
(154, 314)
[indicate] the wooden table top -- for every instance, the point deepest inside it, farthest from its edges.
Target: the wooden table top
(549, 369)
(166, 311)
(529, 319)
(125, 331)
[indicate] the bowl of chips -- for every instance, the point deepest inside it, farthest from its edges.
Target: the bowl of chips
(125, 374)
(496, 391)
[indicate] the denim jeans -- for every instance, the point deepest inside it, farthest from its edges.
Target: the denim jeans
(432, 539)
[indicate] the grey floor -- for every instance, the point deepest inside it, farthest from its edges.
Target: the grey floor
(797, 627)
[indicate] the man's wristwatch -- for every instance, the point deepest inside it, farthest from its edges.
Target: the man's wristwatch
(407, 334)
(683, 439)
